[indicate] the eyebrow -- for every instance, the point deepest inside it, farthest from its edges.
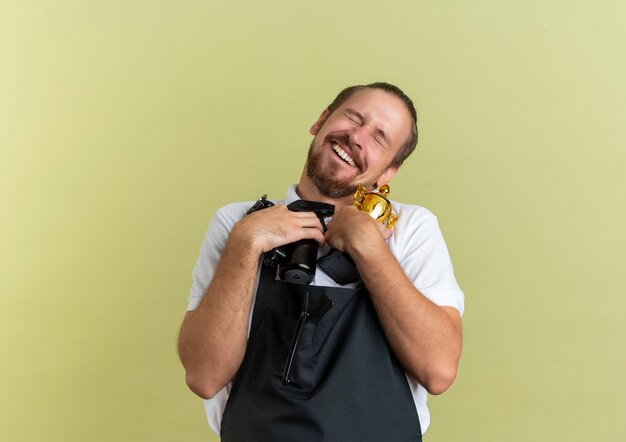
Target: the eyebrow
(378, 131)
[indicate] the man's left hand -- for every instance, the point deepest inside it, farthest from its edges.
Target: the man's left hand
(350, 228)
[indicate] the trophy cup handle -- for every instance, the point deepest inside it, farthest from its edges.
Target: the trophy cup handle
(359, 196)
(391, 219)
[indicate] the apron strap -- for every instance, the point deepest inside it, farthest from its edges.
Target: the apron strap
(267, 273)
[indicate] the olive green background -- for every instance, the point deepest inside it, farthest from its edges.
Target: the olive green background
(125, 124)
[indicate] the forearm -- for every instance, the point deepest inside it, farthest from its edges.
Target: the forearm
(213, 337)
(425, 337)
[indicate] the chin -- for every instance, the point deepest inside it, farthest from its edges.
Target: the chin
(334, 189)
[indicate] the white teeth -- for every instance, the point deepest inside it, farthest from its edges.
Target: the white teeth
(343, 154)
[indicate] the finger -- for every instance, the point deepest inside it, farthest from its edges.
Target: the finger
(333, 241)
(296, 226)
(315, 234)
(387, 233)
(307, 215)
(308, 219)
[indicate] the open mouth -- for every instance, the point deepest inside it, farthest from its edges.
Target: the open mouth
(343, 155)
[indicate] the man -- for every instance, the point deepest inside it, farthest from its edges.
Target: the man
(357, 362)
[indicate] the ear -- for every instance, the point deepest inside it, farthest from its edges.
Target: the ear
(386, 176)
(319, 123)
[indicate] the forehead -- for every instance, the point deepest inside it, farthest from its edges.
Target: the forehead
(383, 110)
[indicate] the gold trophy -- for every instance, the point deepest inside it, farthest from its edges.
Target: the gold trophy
(375, 204)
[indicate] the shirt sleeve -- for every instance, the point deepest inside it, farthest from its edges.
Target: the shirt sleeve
(425, 259)
(211, 249)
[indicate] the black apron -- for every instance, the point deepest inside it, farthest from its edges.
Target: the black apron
(324, 375)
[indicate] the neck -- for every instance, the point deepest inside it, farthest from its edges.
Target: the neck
(309, 191)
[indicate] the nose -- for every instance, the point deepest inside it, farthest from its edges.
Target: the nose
(359, 135)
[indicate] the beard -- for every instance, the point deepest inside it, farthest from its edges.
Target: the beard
(324, 176)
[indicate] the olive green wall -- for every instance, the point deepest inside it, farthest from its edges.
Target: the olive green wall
(125, 124)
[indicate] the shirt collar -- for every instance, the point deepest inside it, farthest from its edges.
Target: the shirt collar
(292, 195)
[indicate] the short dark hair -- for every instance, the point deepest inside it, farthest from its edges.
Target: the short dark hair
(409, 145)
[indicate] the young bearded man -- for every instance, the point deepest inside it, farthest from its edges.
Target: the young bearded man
(358, 361)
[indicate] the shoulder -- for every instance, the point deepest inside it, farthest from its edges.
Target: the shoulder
(233, 212)
(229, 214)
(412, 217)
(417, 229)
(419, 246)
(412, 210)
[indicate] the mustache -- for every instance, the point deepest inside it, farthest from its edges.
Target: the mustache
(344, 141)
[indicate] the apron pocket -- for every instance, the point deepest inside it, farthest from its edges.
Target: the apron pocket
(270, 350)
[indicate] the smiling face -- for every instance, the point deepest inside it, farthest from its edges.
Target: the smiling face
(357, 143)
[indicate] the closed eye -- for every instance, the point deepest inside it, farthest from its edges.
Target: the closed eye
(378, 135)
(352, 118)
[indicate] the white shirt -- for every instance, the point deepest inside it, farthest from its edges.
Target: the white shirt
(417, 244)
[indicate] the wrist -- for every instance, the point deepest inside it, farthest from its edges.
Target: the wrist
(369, 245)
(244, 242)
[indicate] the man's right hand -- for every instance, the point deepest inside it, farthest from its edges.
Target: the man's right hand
(213, 337)
(276, 226)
